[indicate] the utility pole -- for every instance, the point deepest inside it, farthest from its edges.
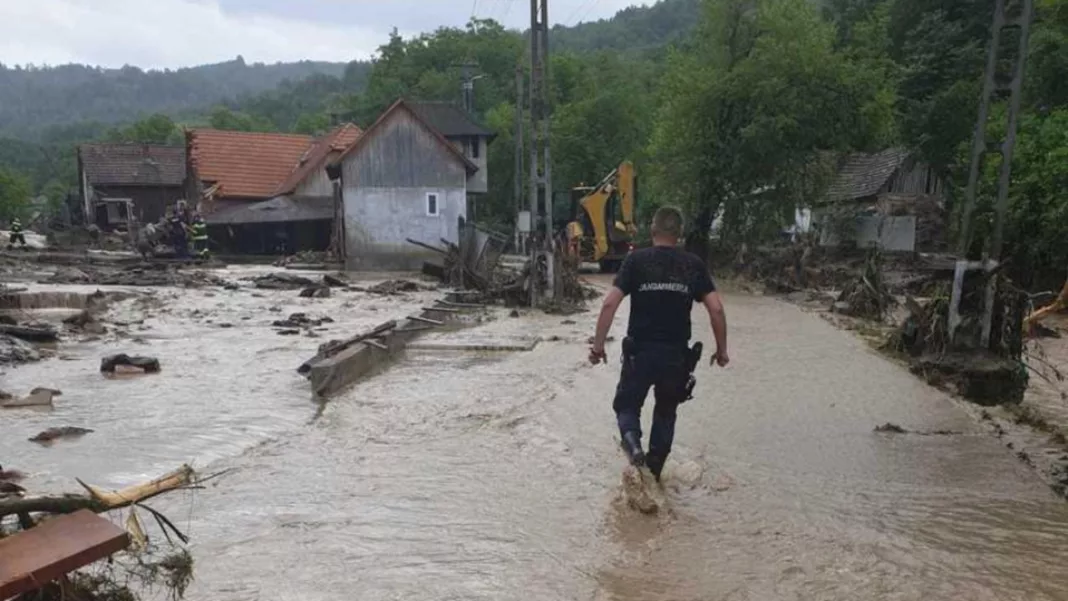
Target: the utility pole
(542, 262)
(468, 77)
(1008, 15)
(520, 235)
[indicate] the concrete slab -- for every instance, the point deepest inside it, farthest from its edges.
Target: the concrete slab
(428, 345)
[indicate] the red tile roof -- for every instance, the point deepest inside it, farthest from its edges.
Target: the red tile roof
(325, 149)
(245, 164)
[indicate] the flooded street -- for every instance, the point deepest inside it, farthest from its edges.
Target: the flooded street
(481, 475)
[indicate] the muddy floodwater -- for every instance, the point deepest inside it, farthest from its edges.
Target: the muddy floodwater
(480, 475)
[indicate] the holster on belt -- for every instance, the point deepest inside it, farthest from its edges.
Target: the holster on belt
(693, 358)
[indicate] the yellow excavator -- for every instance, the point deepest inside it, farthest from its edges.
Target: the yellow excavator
(603, 230)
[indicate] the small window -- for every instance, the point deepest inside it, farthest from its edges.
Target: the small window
(475, 146)
(432, 207)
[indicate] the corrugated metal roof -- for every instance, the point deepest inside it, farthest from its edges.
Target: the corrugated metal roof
(245, 164)
(133, 164)
(275, 210)
(329, 146)
(449, 119)
(864, 174)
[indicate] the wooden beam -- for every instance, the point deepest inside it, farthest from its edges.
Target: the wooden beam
(426, 320)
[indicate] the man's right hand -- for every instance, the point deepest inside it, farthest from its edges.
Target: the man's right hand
(721, 359)
(597, 355)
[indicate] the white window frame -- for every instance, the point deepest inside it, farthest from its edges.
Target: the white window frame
(437, 204)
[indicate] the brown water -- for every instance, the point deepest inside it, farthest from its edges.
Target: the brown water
(495, 475)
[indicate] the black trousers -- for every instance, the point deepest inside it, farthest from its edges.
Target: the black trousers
(17, 238)
(662, 368)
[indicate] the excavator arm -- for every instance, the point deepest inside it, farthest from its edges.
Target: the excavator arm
(596, 221)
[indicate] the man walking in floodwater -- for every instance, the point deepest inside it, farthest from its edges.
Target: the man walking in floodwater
(663, 282)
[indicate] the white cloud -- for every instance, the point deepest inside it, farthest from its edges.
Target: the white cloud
(179, 33)
(166, 33)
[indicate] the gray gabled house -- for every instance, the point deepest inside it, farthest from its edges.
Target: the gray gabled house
(465, 133)
(402, 179)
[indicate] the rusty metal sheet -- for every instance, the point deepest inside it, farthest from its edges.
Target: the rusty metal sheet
(32, 558)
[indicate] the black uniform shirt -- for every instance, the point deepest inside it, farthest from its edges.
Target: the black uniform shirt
(663, 283)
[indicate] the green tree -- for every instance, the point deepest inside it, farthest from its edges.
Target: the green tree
(226, 119)
(157, 129)
(15, 194)
(749, 115)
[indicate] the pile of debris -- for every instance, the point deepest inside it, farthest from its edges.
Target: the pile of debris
(43, 570)
(307, 257)
(157, 274)
(990, 374)
(474, 264)
(867, 296)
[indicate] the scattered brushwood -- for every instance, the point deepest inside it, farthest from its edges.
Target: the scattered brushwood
(147, 567)
(867, 296)
(994, 374)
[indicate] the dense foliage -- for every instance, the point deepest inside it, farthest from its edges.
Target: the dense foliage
(735, 108)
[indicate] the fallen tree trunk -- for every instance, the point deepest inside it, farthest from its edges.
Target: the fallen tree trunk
(99, 500)
(1060, 303)
(32, 334)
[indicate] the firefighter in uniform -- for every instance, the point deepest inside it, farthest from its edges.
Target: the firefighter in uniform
(17, 237)
(199, 231)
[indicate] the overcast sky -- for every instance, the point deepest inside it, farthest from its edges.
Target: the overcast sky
(178, 33)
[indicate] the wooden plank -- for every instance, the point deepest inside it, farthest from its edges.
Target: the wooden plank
(60, 545)
(346, 343)
(414, 329)
(461, 305)
(443, 309)
(426, 320)
(377, 344)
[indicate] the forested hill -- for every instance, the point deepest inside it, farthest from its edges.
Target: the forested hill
(85, 101)
(633, 29)
(34, 98)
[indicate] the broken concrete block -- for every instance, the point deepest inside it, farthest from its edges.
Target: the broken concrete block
(145, 364)
(38, 397)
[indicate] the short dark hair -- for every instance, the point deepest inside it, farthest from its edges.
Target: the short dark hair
(667, 221)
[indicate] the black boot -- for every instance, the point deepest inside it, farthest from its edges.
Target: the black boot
(632, 446)
(656, 464)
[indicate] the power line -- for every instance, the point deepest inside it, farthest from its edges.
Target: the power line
(575, 11)
(590, 9)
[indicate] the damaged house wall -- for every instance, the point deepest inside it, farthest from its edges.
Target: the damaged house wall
(888, 200)
(402, 180)
(149, 176)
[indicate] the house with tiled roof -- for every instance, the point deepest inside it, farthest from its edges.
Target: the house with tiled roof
(120, 184)
(265, 193)
(890, 199)
(402, 179)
